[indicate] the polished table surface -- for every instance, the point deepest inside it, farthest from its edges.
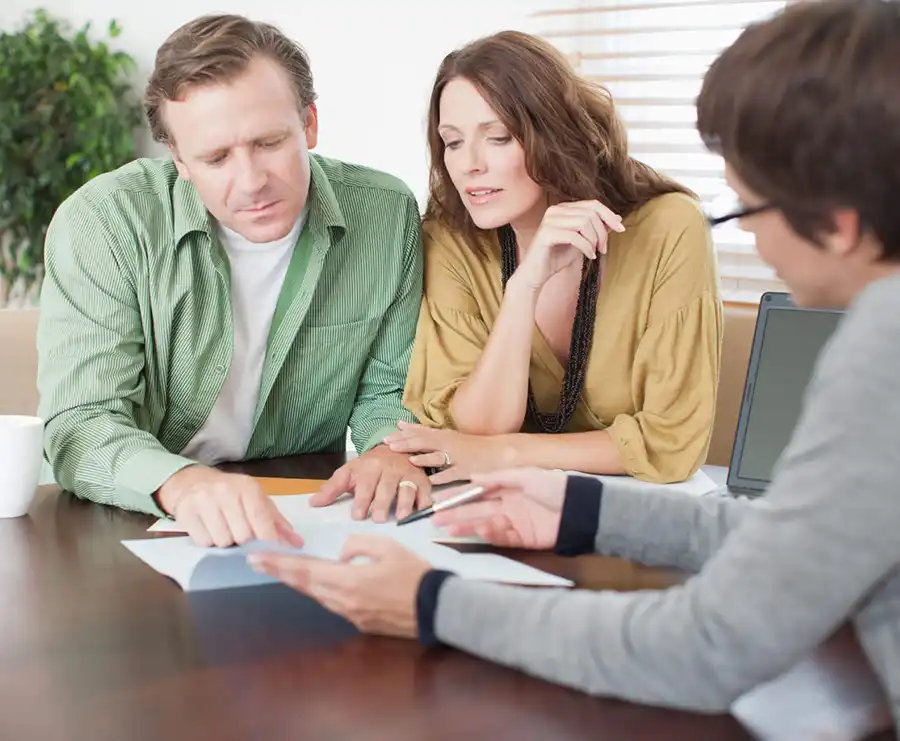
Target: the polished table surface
(96, 645)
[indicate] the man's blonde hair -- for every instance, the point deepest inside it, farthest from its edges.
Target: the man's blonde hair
(216, 49)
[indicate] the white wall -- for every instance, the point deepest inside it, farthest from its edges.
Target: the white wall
(373, 78)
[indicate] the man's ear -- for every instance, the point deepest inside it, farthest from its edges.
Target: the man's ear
(179, 165)
(312, 126)
(846, 235)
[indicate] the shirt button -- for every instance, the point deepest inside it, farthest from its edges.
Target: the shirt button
(220, 368)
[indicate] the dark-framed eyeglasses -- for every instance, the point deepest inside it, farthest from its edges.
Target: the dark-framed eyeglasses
(740, 214)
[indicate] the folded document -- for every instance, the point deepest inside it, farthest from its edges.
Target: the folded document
(196, 568)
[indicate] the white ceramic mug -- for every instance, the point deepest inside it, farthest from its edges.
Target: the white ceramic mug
(21, 454)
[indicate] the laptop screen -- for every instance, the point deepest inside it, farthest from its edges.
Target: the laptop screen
(780, 369)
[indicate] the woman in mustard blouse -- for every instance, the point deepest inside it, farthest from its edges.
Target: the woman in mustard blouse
(572, 316)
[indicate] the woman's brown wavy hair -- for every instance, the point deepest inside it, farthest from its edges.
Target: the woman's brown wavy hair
(575, 144)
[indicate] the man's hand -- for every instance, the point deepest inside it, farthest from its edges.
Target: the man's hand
(375, 479)
(223, 509)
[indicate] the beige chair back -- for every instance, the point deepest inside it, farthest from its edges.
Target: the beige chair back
(18, 361)
(740, 321)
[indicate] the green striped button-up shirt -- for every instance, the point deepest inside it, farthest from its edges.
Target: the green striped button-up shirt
(135, 337)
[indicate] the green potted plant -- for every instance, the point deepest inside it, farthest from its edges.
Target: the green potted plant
(68, 112)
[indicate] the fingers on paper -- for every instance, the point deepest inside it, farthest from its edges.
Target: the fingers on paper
(339, 483)
(385, 493)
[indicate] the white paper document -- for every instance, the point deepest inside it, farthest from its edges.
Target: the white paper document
(196, 568)
(697, 485)
(819, 699)
(298, 512)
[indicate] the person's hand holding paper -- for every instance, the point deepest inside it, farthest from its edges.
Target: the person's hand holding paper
(377, 595)
(223, 509)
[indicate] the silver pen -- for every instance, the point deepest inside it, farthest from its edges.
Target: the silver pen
(463, 497)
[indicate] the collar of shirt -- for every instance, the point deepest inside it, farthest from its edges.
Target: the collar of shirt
(321, 209)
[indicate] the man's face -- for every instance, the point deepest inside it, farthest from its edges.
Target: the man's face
(244, 146)
(827, 275)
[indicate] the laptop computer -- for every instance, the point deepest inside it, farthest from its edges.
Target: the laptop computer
(787, 341)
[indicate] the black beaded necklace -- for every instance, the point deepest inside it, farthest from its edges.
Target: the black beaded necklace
(582, 337)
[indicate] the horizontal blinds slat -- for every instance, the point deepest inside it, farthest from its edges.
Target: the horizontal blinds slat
(659, 19)
(646, 102)
(744, 267)
(628, 78)
(654, 64)
(618, 33)
(606, 56)
(682, 92)
(621, 5)
(662, 136)
(679, 162)
(651, 150)
(734, 240)
(672, 43)
(739, 292)
(639, 125)
(668, 114)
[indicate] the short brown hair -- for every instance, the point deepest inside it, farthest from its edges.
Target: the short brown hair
(214, 49)
(575, 144)
(805, 107)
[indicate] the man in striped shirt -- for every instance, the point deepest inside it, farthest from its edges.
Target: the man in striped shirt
(242, 299)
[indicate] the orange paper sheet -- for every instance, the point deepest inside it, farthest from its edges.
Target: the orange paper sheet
(277, 487)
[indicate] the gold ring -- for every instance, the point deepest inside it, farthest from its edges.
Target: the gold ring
(411, 484)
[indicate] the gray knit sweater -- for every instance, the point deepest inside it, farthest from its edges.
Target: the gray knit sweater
(775, 576)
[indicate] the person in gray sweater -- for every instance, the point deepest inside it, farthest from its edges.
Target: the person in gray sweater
(805, 109)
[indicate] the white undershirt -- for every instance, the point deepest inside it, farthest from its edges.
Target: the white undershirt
(257, 274)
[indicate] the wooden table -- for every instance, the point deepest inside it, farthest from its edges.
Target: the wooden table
(95, 645)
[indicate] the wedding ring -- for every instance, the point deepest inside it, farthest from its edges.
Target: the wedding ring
(447, 461)
(410, 484)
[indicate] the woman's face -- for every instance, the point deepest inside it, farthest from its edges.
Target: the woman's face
(484, 161)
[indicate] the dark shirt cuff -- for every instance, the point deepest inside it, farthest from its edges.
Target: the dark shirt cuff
(580, 516)
(426, 604)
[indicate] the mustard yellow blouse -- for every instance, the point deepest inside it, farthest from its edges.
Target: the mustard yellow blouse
(653, 368)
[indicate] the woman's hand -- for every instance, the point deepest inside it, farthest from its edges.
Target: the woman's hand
(568, 232)
(457, 454)
(521, 509)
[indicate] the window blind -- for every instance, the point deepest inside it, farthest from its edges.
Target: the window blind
(652, 56)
